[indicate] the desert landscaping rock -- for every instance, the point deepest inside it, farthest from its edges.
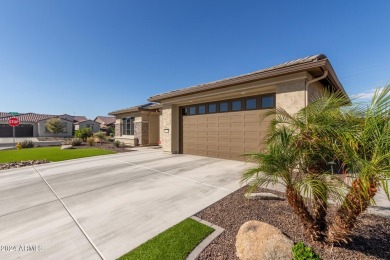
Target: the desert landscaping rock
(67, 146)
(263, 196)
(5, 166)
(258, 240)
(371, 237)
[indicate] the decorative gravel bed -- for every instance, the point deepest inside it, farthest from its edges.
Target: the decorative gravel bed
(5, 166)
(371, 239)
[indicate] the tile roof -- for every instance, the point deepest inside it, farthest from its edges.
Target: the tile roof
(29, 117)
(79, 118)
(147, 106)
(240, 78)
(107, 119)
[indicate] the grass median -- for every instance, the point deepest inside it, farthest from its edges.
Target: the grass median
(176, 242)
(52, 154)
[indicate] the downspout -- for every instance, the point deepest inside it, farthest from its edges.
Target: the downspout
(312, 81)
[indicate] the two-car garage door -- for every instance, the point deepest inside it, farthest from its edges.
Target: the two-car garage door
(23, 130)
(223, 135)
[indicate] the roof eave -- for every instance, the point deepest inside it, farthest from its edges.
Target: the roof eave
(242, 79)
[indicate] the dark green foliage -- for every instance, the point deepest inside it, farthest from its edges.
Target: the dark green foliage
(76, 141)
(117, 143)
(27, 144)
(303, 252)
(84, 133)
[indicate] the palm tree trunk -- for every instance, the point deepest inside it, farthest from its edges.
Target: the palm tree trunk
(296, 202)
(355, 203)
(319, 215)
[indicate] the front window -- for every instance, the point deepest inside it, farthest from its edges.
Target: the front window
(128, 126)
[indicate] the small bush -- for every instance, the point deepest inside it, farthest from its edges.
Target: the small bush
(18, 146)
(27, 144)
(117, 143)
(76, 141)
(100, 136)
(84, 133)
(303, 252)
(91, 141)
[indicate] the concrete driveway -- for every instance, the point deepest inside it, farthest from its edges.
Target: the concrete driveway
(120, 201)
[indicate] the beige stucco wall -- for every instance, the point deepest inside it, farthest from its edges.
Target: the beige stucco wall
(43, 133)
(314, 91)
(291, 95)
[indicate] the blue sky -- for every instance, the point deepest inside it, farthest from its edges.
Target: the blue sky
(89, 57)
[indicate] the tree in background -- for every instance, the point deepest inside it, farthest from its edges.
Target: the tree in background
(55, 126)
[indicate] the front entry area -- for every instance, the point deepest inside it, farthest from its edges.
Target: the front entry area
(23, 130)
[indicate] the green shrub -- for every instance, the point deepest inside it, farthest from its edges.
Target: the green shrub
(303, 252)
(101, 136)
(91, 141)
(27, 144)
(117, 143)
(18, 146)
(83, 133)
(76, 141)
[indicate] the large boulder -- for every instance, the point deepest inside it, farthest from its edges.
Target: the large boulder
(261, 241)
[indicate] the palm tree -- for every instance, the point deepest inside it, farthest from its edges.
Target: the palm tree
(368, 152)
(298, 149)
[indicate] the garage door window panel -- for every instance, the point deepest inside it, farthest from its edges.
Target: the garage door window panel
(192, 110)
(223, 107)
(236, 105)
(251, 103)
(267, 102)
(202, 109)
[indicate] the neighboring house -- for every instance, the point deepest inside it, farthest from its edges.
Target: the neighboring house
(88, 123)
(222, 118)
(138, 125)
(106, 122)
(33, 125)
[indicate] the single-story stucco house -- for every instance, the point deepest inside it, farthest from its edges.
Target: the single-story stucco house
(34, 125)
(94, 126)
(221, 118)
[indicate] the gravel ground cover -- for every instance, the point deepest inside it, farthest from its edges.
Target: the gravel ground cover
(371, 239)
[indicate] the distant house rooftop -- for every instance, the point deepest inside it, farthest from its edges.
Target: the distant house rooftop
(107, 120)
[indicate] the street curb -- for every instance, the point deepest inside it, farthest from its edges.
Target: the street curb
(207, 241)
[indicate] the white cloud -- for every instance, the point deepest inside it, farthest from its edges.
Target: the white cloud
(365, 95)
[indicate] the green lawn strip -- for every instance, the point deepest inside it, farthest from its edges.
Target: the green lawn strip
(53, 154)
(176, 242)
